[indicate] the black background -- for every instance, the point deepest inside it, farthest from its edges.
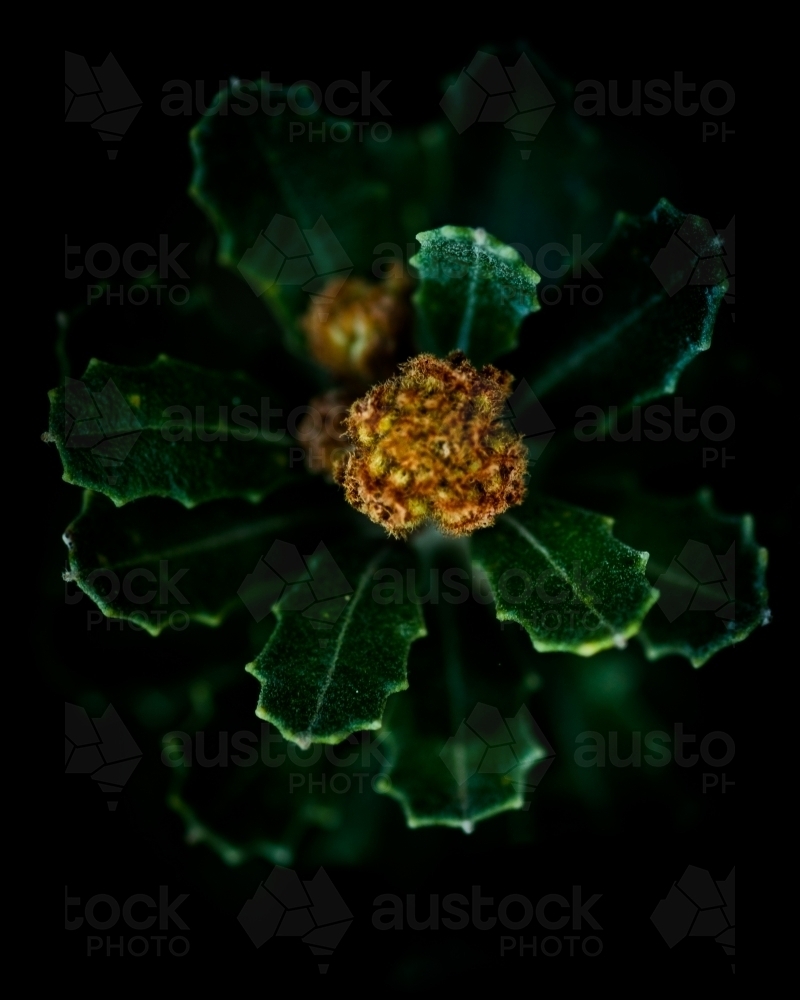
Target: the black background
(633, 847)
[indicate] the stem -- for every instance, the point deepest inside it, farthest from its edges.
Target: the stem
(436, 549)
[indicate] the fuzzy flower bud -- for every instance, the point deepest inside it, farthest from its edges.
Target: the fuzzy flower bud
(428, 445)
(322, 431)
(354, 331)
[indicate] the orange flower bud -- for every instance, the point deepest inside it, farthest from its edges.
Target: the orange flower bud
(428, 445)
(355, 333)
(322, 430)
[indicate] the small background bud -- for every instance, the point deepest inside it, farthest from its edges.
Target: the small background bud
(356, 334)
(322, 431)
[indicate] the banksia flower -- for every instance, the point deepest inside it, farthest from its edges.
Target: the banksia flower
(428, 445)
(354, 331)
(322, 431)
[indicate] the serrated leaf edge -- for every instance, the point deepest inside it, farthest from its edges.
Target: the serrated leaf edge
(615, 639)
(305, 739)
(656, 651)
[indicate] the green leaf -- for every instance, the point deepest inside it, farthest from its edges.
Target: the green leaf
(217, 804)
(632, 346)
(461, 741)
(294, 212)
(336, 654)
(169, 429)
(709, 569)
(563, 186)
(560, 573)
(616, 692)
(160, 565)
(475, 292)
(481, 770)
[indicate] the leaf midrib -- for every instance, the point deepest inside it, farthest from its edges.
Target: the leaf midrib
(366, 574)
(530, 538)
(211, 542)
(593, 344)
(465, 330)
